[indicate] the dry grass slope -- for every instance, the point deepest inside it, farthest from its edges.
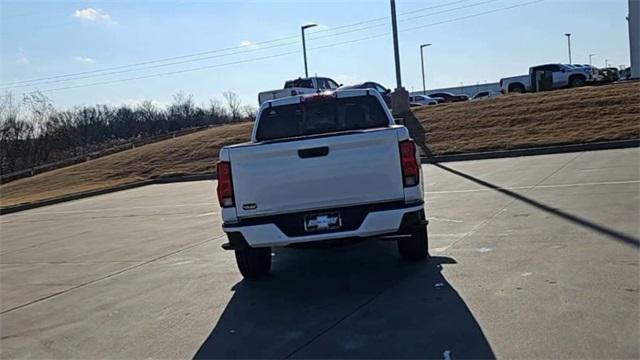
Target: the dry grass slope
(195, 153)
(560, 117)
(580, 115)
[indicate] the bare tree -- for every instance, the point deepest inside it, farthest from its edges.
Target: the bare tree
(217, 111)
(249, 112)
(11, 131)
(39, 110)
(34, 132)
(234, 104)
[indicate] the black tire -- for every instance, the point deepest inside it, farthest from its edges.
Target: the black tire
(253, 262)
(415, 247)
(517, 88)
(577, 81)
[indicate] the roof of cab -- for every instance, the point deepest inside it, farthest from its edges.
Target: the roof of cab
(339, 93)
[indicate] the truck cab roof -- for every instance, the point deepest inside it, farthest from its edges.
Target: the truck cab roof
(340, 93)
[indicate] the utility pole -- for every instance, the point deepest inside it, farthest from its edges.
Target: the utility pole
(424, 88)
(304, 47)
(568, 35)
(634, 37)
(400, 98)
(590, 56)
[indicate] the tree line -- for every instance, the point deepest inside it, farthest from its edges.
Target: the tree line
(33, 132)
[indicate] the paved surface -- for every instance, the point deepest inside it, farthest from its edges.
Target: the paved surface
(534, 257)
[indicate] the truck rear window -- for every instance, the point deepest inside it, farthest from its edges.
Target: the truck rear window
(312, 118)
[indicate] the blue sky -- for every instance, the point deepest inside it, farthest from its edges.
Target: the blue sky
(50, 38)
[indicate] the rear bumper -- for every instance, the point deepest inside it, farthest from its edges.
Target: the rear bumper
(386, 221)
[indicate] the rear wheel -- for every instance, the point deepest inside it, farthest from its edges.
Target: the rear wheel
(516, 88)
(253, 262)
(576, 81)
(415, 247)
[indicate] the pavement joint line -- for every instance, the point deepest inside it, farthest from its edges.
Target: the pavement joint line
(2, 253)
(503, 208)
(18, 307)
(109, 209)
(529, 187)
(72, 262)
(177, 215)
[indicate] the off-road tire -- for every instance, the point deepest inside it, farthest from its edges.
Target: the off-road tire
(253, 262)
(415, 247)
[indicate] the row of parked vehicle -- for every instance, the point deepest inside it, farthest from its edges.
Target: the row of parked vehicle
(557, 76)
(303, 86)
(540, 78)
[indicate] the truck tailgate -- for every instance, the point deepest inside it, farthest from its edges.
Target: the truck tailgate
(317, 173)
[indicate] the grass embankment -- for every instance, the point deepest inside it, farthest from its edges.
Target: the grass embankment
(570, 116)
(560, 117)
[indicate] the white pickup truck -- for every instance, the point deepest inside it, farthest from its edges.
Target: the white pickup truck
(320, 167)
(550, 76)
(299, 86)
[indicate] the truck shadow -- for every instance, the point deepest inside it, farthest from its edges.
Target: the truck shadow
(604, 230)
(349, 302)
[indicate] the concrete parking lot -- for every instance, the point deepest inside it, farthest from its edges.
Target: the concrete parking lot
(533, 257)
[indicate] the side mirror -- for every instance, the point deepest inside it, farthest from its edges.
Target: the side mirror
(339, 85)
(399, 121)
(564, 70)
(386, 92)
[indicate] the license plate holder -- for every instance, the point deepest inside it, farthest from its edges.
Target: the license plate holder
(322, 221)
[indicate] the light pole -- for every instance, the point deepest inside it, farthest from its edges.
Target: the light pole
(634, 38)
(606, 63)
(424, 88)
(396, 48)
(568, 35)
(590, 56)
(304, 47)
(400, 97)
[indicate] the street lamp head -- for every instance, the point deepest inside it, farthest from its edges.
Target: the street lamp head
(567, 34)
(306, 26)
(424, 45)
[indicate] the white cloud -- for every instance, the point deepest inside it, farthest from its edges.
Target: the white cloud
(22, 60)
(91, 14)
(247, 43)
(84, 59)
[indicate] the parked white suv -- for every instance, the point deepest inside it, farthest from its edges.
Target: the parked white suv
(321, 167)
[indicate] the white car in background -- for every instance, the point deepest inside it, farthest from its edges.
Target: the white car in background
(422, 100)
(485, 95)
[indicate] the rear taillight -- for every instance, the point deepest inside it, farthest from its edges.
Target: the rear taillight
(410, 165)
(225, 186)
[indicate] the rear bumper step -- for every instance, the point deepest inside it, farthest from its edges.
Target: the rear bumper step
(388, 222)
